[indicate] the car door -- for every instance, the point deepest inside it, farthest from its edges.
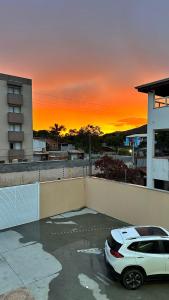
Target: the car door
(165, 244)
(150, 257)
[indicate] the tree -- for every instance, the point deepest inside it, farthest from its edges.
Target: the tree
(72, 132)
(90, 129)
(116, 169)
(56, 131)
(41, 133)
(86, 132)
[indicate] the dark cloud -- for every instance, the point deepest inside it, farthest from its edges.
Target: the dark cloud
(131, 121)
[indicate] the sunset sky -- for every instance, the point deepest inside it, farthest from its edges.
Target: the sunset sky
(85, 57)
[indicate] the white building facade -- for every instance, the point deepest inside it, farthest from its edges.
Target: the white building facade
(158, 123)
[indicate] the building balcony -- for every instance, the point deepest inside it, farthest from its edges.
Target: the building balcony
(15, 154)
(15, 136)
(15, 118)
(16, 100)
(161, 102)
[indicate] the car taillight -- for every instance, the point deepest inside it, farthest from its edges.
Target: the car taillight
(116, 254)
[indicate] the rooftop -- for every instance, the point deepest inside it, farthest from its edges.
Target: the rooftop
(161, 87)
(15, 80)
(141, 135)
(61, 257)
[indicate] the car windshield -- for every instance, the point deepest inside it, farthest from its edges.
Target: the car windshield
(146, 231)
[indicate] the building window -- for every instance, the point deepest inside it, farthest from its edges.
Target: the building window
(14, 109)
(15, 146)
(161, 184)
(161, 143)
(15, 127)
(14, 90)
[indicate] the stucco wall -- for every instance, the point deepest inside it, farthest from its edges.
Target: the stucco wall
(61, 196)
(129, 203)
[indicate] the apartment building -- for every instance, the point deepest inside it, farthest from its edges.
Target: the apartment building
(15, 118)
(157, 133)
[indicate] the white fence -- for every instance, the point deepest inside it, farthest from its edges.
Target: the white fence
(19, 205)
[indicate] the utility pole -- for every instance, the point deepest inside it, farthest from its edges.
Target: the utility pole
(133, 154)
(90, 155)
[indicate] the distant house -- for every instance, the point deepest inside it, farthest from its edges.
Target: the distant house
(66, 147)
(51, 145)
(135, 139)
(39, 149)
(39, 144)
(75, 154)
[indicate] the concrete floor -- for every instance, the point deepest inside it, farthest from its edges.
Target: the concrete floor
(62, 258)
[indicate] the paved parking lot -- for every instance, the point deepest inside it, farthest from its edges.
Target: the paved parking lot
(62, 258)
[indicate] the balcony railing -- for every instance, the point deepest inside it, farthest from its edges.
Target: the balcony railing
(13, 99)
(15, 154)
(15, 118)
(161, 102)
(15, 136)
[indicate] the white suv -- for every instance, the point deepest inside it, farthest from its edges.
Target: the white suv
(137, 252)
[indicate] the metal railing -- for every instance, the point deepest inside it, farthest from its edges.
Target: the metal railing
(161, 102)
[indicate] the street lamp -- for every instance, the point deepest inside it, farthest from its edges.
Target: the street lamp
(131, 151)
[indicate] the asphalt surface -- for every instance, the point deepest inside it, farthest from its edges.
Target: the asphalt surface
(62, 258)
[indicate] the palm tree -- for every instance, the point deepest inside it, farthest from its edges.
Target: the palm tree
(55, 132)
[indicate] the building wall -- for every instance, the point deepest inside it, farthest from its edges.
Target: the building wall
(27, 125)
(157, 119)
(26, 110)
(4, 145)
(61, 196)
(129, 203)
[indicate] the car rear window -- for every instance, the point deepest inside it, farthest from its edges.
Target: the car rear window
(145, 231)
(113, 244)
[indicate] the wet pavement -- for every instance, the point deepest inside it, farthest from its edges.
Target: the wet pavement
(62, 258)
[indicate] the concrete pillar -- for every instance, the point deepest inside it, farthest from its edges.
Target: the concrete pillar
(150, 140)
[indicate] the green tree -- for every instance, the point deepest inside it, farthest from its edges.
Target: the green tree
(86, 132)
(56, 132)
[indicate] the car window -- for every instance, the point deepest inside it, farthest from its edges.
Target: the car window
(166, 246)
(113, 244)
(146, 247)
(145, 231)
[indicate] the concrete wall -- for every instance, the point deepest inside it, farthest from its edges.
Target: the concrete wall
(61, 196)
(42, 165)
(129, 203)
(17, 178)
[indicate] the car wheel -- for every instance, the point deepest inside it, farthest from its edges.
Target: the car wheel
(132, 279)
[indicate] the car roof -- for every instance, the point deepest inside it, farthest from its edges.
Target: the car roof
(121, 235)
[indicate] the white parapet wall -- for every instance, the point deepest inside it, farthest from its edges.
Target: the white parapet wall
(19, 205)
(61, 196)
(130, 203)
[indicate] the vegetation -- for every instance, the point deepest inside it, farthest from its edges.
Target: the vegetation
(80, 138)
(116, 169)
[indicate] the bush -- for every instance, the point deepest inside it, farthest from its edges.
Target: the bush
(116, 169)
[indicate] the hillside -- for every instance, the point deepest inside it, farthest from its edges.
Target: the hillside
(137, 130)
